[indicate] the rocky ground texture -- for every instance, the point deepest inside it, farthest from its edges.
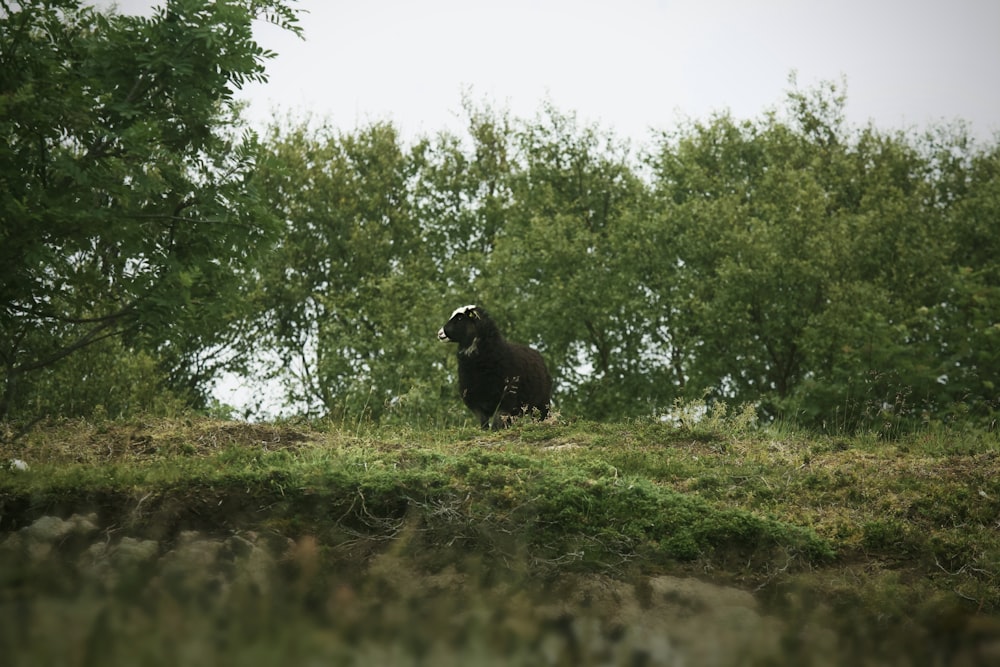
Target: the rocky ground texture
(101, 595)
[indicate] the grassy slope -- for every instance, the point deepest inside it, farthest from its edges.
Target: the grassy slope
(904, 528)
(892, 546)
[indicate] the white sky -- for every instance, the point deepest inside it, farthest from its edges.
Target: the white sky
(630, 65)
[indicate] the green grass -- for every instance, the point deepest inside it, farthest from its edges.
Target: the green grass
(861, 532)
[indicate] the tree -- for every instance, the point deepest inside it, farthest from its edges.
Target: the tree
(831, 277)
(343, 289)
(128, 207)
(840, 278)
(565, 268)
(745, 214)
(969, 317)
(379, 245)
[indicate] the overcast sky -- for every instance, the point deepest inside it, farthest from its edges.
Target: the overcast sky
(631, 65)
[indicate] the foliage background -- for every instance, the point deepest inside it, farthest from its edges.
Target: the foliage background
(835, 276)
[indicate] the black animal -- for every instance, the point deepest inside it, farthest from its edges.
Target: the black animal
(498, 380)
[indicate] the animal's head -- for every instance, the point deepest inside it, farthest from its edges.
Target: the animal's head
(466, 326)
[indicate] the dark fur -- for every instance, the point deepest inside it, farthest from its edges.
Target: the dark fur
(497, 379)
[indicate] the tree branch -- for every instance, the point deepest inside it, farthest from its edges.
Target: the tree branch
(93, 336)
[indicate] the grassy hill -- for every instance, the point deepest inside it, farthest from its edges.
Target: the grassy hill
(209, 541)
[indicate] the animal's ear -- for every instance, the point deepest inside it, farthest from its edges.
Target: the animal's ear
(474, 314)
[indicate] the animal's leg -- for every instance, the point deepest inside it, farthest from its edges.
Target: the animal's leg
(498, 421)
(483, 417)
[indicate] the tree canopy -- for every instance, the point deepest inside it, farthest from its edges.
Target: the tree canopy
(129, 216)
(835, 276)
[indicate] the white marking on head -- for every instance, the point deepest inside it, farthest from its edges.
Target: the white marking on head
(464, 310)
